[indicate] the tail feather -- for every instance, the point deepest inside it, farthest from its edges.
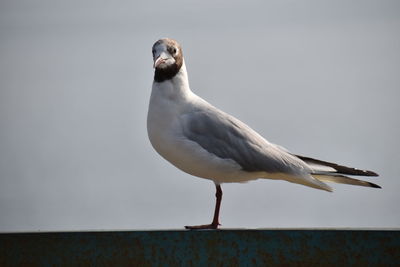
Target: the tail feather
(309, 180)
(320, 166)
(341, 179)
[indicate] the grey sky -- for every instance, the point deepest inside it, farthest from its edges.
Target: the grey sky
(320, 78)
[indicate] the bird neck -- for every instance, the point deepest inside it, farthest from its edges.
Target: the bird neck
(181, 78)
(176, 87)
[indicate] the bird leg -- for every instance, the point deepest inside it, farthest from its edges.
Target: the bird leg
(215, 223)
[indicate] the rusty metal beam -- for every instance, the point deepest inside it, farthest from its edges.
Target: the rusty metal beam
(202, 248)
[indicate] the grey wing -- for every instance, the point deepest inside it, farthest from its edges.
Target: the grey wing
(229, 138)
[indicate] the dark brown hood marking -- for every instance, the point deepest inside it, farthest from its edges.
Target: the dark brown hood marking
(163, 74)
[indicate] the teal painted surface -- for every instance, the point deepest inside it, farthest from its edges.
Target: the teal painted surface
(202, 248)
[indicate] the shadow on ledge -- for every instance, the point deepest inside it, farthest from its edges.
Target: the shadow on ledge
(202, 248)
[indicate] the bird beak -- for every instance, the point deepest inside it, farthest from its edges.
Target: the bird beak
(158, 61)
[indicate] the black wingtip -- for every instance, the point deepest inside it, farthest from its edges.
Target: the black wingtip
(374, 185)
(355, 171)
(340, 169)
(371, 173)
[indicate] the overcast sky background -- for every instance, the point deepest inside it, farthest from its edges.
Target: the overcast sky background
(320, 78)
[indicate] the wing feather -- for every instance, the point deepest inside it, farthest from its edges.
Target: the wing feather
(228, 138)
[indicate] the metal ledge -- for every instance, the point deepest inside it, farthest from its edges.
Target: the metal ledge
(202, 248)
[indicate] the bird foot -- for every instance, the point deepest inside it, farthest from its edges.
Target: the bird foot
(204, 226)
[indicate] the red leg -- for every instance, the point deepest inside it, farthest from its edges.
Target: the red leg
(215, 223)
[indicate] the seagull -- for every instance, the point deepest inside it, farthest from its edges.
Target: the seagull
(203, 141)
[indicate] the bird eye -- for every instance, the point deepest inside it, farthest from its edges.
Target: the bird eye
(173, 50)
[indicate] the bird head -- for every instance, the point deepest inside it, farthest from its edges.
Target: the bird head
(167, 59)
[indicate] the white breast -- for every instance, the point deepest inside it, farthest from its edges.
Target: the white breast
(168, 103)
